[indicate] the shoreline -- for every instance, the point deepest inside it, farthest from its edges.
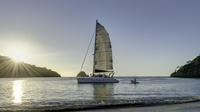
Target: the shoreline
(120, 107)
(178, 107)
(134, 103)
(183, 107)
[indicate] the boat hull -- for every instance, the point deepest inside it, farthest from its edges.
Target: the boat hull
(97, 80)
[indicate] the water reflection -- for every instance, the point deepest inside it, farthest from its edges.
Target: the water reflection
(103, 92)
(18, 91)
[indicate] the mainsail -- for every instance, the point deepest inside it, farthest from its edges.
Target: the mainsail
(103, 61)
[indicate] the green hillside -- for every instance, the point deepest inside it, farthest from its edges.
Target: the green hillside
(190, 70)
(9, 68)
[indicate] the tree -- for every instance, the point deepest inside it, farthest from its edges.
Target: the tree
(189, 61)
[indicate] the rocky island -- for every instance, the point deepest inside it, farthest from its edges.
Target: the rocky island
(9, 68)
(82, 74)
(189, 70)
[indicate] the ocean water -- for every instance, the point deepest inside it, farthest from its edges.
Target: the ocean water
(66, 93)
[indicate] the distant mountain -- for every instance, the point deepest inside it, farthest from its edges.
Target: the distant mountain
(190, 70)
(9, 68)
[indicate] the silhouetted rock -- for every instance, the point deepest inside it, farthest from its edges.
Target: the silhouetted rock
(82, 74)
(190, 70)
(9, 68)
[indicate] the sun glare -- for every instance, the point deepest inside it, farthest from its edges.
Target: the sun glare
(18, 54)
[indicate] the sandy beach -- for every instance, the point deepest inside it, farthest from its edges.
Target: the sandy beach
(186, 107)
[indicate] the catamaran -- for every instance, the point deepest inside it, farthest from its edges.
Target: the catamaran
(103, 61)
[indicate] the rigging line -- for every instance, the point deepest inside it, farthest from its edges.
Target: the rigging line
(87, 50)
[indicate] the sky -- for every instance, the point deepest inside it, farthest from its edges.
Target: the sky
(149, 37)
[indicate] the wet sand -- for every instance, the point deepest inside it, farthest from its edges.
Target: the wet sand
(186, 107)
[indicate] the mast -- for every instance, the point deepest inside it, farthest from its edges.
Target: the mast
(94, 48)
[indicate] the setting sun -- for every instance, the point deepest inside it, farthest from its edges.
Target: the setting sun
(18, 54)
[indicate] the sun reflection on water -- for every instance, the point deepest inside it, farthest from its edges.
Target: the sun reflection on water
(18, 91)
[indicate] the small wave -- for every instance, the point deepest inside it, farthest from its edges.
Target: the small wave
(91, 104)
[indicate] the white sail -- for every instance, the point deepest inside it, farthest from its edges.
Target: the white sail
(103, 61)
